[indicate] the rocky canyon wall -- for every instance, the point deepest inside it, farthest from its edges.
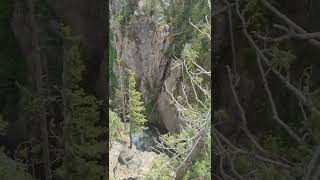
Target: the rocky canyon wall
(142, 43)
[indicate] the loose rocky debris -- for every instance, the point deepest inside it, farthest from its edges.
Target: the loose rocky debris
(127, 163)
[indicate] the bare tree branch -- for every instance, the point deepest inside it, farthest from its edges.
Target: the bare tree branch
(273, 106)
(289, 21)
(242, 113)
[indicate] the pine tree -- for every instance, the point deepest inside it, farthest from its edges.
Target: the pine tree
(41, 89)
(115, 126)
(136, 108)
(121, 94)
(83, 143)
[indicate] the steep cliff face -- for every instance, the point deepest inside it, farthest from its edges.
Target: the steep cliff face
(142, 43)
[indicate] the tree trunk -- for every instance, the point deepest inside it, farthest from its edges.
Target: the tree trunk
(66, 127)
(122, 95)
(130, 136)
(195, 150)
(40, 88)
(130, 120)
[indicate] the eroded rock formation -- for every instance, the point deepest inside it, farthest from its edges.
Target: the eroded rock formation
(142, 43)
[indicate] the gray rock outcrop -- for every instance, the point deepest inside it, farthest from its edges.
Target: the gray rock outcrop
(142, 46)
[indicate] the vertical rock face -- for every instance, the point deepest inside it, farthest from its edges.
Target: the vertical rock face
(142, 43)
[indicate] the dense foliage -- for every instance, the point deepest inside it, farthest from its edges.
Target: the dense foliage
(136, 108)
(13, 170)
(84, 146)
(115, 126)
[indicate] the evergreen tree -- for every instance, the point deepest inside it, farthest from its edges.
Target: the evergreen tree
(83, 135)
(121, 93)
(136, 108)
(115, 126)
(41, 88)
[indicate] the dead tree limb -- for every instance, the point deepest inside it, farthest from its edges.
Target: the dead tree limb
(273, 106)
(242, 113)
